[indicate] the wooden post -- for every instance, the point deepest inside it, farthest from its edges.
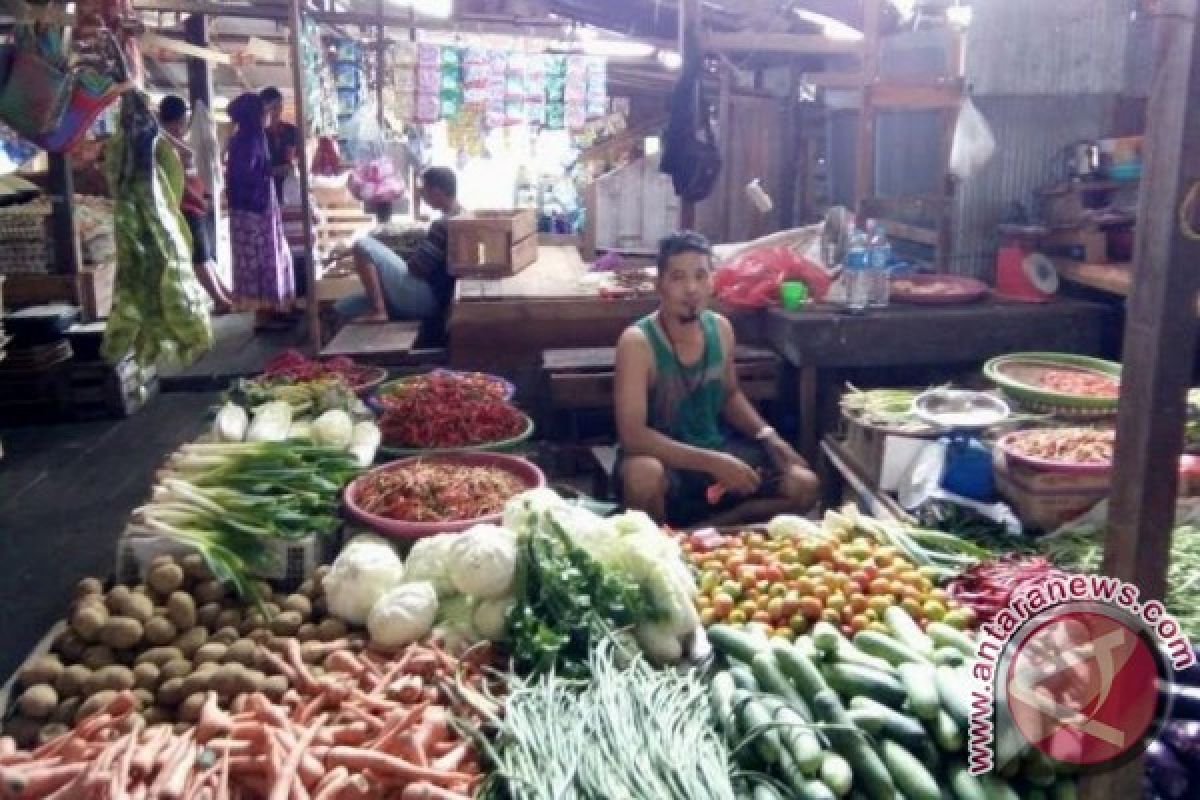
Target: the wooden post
(380, 49)
(864, 160)
(791, 159)
(67, 258)
(1159, 340)
(726, 193)
(313, 304)
(199, 71)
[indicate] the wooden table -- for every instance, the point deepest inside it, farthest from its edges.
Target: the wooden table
(504, 325)
(822, 340)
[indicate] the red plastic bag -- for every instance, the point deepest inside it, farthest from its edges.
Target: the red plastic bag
(752, 279)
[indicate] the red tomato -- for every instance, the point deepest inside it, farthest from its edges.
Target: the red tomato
(722, 604)
(771, 573)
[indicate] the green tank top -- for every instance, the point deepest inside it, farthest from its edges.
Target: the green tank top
(686, 400)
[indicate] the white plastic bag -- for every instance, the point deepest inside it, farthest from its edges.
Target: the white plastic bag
(973, 143)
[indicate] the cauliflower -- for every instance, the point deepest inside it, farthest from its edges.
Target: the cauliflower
(366, 569)
(403, 615)
(429, 560)
(483, 561)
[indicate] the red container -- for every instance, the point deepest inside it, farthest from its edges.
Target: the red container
(526, 471)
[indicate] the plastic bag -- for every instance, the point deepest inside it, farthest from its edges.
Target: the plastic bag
(752, 279)
(973, 143)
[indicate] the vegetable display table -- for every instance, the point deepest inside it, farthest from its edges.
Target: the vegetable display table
(820, 341)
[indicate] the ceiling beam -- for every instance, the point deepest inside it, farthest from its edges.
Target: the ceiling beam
(791, 43)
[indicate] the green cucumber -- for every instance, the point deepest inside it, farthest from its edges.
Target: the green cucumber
(743, 677)
(997, 788)
(799, 739)
(906, 630)
(734, 643)
(896, 725)
(949, 656)
(867, 720)
(851, 680)
(908, 774)
(919, 682)
(954, 689)
(946, 732)
(965, 785)
(800, 669)
(825, 638)
(815, 790)
(871, 776)
(763, 791)
(756, 721)
(945, 636)
(837, 774)
(885, 647)
(1066, 790)
(772, 680)
(1039, 769)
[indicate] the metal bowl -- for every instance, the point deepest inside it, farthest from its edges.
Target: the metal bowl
(960, 409)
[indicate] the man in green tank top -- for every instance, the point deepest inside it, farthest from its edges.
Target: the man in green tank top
(693, 448)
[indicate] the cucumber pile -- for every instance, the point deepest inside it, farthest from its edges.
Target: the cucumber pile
(880, 716)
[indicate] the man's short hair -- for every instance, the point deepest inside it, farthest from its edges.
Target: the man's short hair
(441, 178)
(270, 95)
(172, 108)
(680, 242)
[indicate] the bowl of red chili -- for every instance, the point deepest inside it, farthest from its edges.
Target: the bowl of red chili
(441, 385)
(423, 496)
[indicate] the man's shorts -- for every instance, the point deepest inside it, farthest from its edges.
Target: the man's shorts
(687, 501)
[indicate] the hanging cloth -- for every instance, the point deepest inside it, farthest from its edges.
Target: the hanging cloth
(690, 154)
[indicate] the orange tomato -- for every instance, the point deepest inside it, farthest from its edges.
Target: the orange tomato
(761, 616)
(858, 602)
(722, 604)
(831, 616)
(836, 601)
(708, 617)
(823, 551)
(804, 586)
(880, 586)
(859, 622)
(821, 592)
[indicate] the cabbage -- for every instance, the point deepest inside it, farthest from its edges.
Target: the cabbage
(364, 571)
(521, 511)
(655, 562)
(491, 617)
(483, 561)
(403, 615)
(429, 560)
(790, 526)
(592, 533)
(631, 522)
(333, 429)
(456, 623)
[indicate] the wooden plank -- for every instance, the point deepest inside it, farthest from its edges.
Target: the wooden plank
(912, 233)
(67, 257)
(555, 274)
(604, 358)
(915, 96)
(789, 43)
(1157, 359)
(373, 339)
(313, 308)
(864, 153)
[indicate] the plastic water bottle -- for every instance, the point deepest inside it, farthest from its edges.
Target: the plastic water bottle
(857, 272)
(879, 254)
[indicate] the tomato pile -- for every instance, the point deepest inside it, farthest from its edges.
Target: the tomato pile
(788, 584)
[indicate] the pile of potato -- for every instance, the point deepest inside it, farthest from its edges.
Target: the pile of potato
(170, 640)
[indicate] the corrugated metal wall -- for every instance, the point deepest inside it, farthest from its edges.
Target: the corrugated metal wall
(1045, 75)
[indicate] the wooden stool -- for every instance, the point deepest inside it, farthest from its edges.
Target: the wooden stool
(381, 344)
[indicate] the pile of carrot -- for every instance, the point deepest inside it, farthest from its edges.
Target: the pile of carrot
(360, 725)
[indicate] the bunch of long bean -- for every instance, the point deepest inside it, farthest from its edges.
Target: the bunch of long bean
(631, 731)
(1082, 549)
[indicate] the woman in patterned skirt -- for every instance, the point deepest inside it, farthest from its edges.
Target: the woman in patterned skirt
(263, 280)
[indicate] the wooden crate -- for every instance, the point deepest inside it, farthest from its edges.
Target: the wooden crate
(492, 243)
(91, 290)
(867, 446)
(100, 389)
(1046, 510)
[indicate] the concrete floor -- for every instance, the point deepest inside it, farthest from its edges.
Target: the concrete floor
(66, 491)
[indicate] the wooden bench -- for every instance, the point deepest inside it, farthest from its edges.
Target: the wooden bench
(581, 379)
(380, 344)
